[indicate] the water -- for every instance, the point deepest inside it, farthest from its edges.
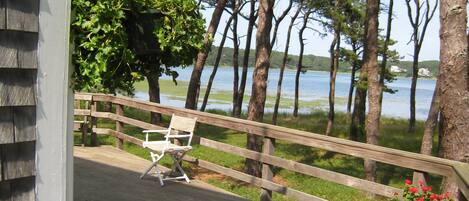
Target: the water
(314, 86)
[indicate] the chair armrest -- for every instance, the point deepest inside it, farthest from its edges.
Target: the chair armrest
(178, 136)
(155, 131)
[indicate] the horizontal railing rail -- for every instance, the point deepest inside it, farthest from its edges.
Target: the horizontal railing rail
(423, 163)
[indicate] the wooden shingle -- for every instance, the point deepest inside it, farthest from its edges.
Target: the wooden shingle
(23, 189)
(5, 191)
(6, 126)
(18, 49)
(24, 119)
(22, 15)
(8, 49)
(27, 50)
(2, 14)
(17, 87)
(18, 160)
(1, 168)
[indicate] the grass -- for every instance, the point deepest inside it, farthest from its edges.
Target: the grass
(393, 134)
(179, 92)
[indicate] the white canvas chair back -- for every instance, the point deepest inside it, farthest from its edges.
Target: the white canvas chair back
(181, 124)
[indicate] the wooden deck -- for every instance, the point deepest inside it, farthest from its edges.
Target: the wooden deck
(106, 173)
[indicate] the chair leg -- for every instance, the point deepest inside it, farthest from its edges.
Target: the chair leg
(155, 158)
(177, 163)
(148, 169)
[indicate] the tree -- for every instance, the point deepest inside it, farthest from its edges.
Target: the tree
(387, 43)
(429, 129)
(370, 65)
(259, 84)
(336, 15)
(194, 83)
(353, 30)
(215, 66)
(300, 62)
(247, 49)
(284, 64)
(116, 42)
(454, 83)
(99, 55)
(417, 39)
(236, 7)
(278, 21)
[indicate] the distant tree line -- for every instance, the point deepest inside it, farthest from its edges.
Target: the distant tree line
(312, 62)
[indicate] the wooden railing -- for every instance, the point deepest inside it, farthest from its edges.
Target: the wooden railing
(459, 172)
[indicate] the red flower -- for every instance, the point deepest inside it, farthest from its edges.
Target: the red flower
(446, 195)
(408, 182)
(421, 183)
(433, 197)
(413, 190)
(426, 188)
(421, 198)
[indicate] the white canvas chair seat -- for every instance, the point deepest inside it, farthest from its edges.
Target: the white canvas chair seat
(160, 146)
(158, 149)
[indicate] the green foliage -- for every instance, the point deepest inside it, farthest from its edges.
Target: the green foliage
(103, 58)
(100, 45)
(180, 31)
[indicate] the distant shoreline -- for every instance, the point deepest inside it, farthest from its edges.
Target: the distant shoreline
(339, 72)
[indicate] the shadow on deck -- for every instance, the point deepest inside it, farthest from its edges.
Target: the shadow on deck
(108, 174)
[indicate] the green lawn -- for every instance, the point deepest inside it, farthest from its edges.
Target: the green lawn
(393, 134)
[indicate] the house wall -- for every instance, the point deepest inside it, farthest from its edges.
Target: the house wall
(18, 72)
(35, 149)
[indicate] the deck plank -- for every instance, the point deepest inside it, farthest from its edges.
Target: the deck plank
(106, 173)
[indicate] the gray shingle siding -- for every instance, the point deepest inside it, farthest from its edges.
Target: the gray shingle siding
(17, 87)
(18, 49)
(18, 73)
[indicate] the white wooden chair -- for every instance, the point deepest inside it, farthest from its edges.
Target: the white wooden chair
(179, 128)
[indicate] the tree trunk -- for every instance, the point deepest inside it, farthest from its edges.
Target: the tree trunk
(454, 78)
(418, 38)
(247, 49)
(413, 87)
(154, 95)
(358, 114)
(278, 21)
(430, 123)
(194, 83)
(440, 133)
(282, 68)
(385, 51)
(335, 53)
(259, 85)
(300, 64)
(427, 139)
(235, 56)
(370, 63)
(216, 64)
(351, 88)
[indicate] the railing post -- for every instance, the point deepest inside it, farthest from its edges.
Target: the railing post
(85, 126)
(267, 170)
(94, 124)
(119, 126)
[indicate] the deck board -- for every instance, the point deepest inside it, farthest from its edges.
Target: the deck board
(106, 173)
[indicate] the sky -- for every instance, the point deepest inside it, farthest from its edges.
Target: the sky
(401, 32)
